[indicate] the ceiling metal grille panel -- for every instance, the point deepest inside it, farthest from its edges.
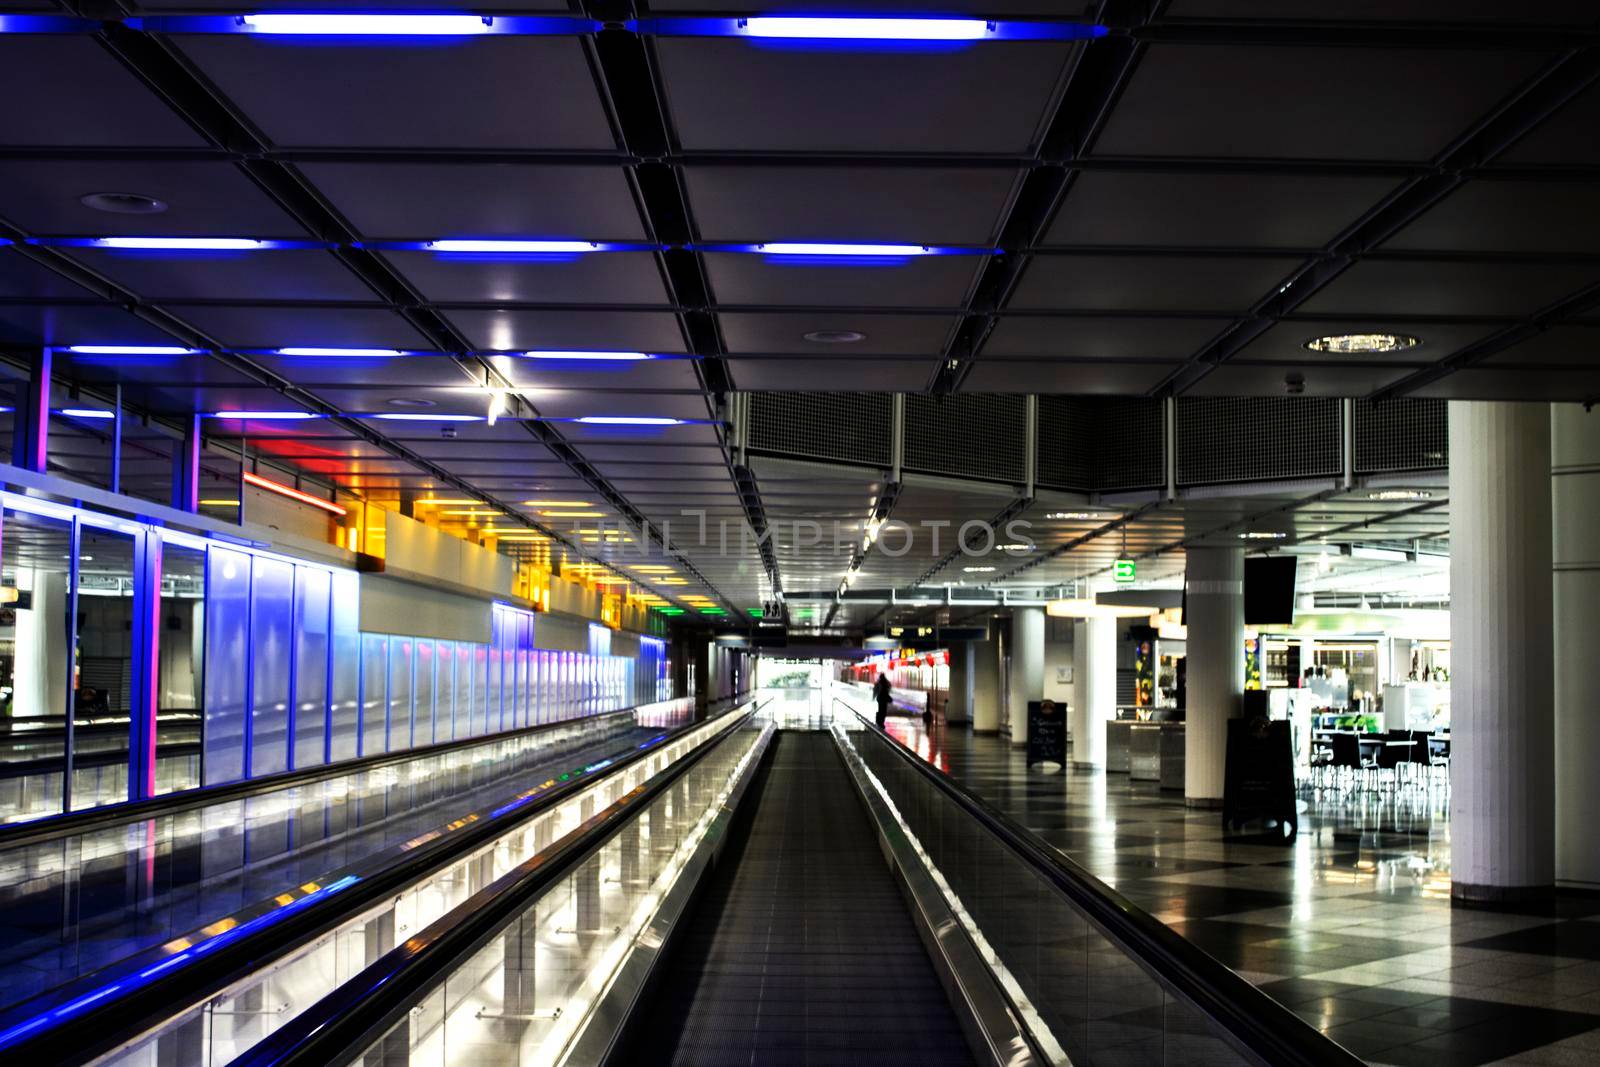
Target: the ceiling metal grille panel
(1402, 434)
(970, 435)
(1127, 442)
(1066, 443)
(1256, 438)
(840, 427)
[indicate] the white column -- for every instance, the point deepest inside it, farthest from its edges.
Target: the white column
(985, 687)
(1502, 810)
(1094, 688)
(958, 703)
(1027, 667)
(1575, 544)
(1214, 614)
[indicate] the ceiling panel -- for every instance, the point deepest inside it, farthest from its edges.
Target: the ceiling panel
(616, 331)
(297, 274)
(1047, 376)
(455, 92)
(1346, 103)
(1438, 287)
(736, 94)
(267, 327)
(923, 281)
(921, 205)
(601, 278)
(78, 94)
(1100, 338)
(1219, 209)
(1159, 283)
(884, 335)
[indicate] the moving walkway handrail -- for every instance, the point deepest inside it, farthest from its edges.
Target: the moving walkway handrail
(349, 1020)
(79, 1020)
(88, 820)
(1259, 1023)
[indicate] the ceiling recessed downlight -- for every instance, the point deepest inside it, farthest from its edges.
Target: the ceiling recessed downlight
(123, 203)
(1358, 344)
(834, 337)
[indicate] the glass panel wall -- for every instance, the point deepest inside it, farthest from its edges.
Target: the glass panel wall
(312, 588)
(226, 681)
(422, 721)
(102, 706)
(271, 639)
(179, 657)
(344, 698)
(374, 694)
(34, 683)
(400, 710)
(259, 666)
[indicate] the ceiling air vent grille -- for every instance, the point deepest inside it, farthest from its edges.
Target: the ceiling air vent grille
(1402, 434)
(1227, 439)
(967, 435)
(838, 427)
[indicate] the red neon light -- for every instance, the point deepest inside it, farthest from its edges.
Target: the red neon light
(293, 494)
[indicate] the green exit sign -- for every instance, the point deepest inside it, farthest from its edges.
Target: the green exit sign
(1124, 570)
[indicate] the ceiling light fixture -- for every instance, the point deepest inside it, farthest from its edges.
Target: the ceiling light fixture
(514, 246)
(410, 402)
(573, 514)
(305, 25)
(629, 420)
(557, 504)
(1079, 516)
(340, 352)
(293, 494)
(977, 570)
(123, 203)
(865, 29)
(88, 413)
(1352, 344)
(131, 350)
(834, 337)
(187, 244)
(412, 416)
(821, 248)
(609, 357)
(266, 416)
(1262, 535)
(1400, 494)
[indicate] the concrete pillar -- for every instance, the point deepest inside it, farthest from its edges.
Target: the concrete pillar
(1027, 667)
(1094, 688)
(958, 704)
(1502, 809)
(986, 687)
(1575, 544)
(1214, 614)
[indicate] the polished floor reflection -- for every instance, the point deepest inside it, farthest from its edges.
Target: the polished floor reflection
(1351, 925)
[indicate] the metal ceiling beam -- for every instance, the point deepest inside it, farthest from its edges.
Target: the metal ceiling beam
(629, 84)
(1489, 137)
(1101, 68)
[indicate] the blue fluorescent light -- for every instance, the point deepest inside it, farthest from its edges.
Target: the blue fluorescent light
(417, 416)
(170, 244)
(514, 246)
(369, 25)
(866, 29)
(46, 24)
(266, 415)
(629, 420)
(87, 413)
(131, 350)
(339, 352)
(821, 248)
(617, 357)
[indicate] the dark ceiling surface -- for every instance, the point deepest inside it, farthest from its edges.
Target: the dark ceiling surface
(1173, 208)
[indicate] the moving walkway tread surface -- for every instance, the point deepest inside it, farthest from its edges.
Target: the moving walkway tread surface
(57, 925)
(801, 949)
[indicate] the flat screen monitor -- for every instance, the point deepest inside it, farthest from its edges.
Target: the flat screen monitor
(1269, 590)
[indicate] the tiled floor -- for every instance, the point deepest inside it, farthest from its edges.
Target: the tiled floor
(1351, 925)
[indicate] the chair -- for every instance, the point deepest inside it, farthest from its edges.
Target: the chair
(1346, 754)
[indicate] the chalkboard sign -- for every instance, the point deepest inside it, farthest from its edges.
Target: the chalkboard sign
(1047, 732)
(1259, 783)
